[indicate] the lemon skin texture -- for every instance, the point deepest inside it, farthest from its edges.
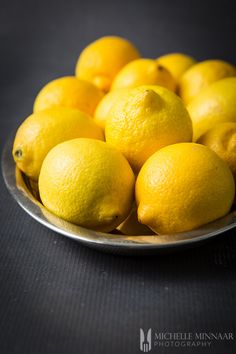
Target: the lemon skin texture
(201, 75)
(101, 60)
(182, 187)
(88, 183)
(216, 104)
(68, 92)
(41, 131)
(176, 63)
(143, 72)
(222, 140)
(103, 108)
(145, 120)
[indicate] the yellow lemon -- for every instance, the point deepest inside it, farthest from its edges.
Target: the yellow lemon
(131, 225)
(222, 140)
(182, 187)
(101, 60)
(143, 72)
(145, 120)
(176, 63)
(202, 75)
(43, 130)
(69, 92)
(87, 182)
(104, 106)
(215, 104)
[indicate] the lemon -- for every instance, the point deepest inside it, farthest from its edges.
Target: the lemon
(202, 75)
(101, 60)
(145, 120)
(68, 92)
(131, 225)
(43, 130)
(216, 104)
(222, 140)
(88, 183)
(143, 72)
(104, 106)
(176, 63)
(182, 187)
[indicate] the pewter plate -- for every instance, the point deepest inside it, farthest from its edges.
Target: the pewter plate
(26, 196)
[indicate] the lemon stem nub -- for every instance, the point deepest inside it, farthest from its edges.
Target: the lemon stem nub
(160, 67)
(18, 153)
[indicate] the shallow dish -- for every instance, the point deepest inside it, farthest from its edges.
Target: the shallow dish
(26, 196)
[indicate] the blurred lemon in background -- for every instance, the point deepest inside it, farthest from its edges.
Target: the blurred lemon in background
(182, 187)
(145, 120)
(101, 60)
(68, 92)
(176, 63)
(43, 130)
(143, 72)
(88, 183)
(202, 75)
(215, 104)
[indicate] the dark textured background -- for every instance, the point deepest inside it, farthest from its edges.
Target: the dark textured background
(55, 295)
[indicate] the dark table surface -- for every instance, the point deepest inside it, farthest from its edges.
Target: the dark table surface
(57, 296)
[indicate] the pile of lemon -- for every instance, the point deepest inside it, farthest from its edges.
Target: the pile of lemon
(132, 143)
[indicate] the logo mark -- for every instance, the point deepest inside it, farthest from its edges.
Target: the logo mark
(145, 342)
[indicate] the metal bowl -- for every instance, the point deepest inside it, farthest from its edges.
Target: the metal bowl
(26, 196)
